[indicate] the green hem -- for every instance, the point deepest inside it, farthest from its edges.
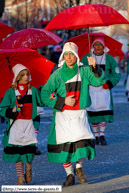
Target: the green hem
(64, 157)
(99, 119)
(17, 158)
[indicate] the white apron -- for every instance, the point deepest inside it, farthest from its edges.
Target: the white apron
(71, 126)
(100, 99)
(22, 133)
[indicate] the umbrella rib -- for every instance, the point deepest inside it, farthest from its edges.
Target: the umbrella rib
(2, 66)
(8, 63)
(89, 39)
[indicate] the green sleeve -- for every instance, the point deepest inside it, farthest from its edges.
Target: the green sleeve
(112, 73)
(38, 96)
(8, 101)
(36, 101)
(95, 81)
(84, 60)
(36, 122)
(51, 86)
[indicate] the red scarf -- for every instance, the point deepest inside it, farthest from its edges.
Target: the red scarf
(22, 88)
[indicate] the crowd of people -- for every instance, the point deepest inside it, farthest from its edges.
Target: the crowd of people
(79, 92)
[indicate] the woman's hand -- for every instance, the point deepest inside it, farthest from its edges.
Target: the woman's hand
(70, 100)
(91, 61)
(14, 110)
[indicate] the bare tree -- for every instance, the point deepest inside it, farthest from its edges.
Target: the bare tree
(88, 1)
(77, 2)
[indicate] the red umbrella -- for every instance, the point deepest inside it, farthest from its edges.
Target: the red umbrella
(30, 38)
(40, 67)
(82, 43)
(84, 16)
(5, 30)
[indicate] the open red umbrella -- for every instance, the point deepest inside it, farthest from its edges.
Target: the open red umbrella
(82, 43)
(30, 38)
(40, 67)
(5, 30)
(85, 16)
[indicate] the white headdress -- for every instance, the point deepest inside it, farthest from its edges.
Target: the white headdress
(100, 39)
(69, 47)
(17, 69)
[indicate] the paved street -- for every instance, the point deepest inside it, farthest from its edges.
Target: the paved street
(107, 173)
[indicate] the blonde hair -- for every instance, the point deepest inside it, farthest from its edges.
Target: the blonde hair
(19, 76)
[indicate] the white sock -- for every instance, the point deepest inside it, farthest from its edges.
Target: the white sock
(20, 168)
(95, 129)
(80, 162)
(68, 168)
(102, 127)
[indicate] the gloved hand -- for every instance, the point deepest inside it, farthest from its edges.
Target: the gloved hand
(53, 95)
(105, 86)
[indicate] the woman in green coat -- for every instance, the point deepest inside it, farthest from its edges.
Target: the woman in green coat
(101, 110)
(67, 92)
(19, 106)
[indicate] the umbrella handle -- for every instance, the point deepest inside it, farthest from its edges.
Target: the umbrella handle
(89, 40)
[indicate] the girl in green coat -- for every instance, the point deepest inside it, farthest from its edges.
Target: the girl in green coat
(101, 110)
(67, 92)
(19, 106)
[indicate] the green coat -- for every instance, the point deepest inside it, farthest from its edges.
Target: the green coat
(57, 84)
(9, 101)
(112, 77)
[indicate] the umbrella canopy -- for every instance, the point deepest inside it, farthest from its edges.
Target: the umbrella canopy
(40, 67)
(82, 43)
(5, 30)
(30, 38)
(84, 16)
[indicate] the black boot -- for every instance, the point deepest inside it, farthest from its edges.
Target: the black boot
(96, 140)
(70, 180)
(102, 140)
